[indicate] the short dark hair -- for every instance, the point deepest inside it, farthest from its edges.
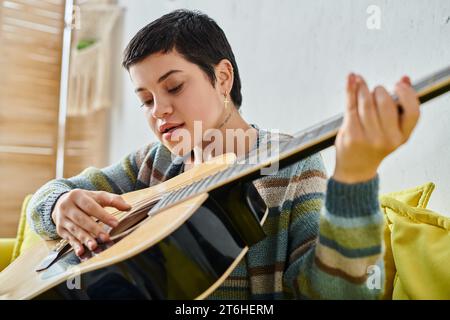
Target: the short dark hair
(194, 35)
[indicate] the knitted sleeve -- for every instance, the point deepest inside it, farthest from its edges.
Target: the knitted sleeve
(335, 236)
(118, 178)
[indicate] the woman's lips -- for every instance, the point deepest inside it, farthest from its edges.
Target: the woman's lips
(169, 133)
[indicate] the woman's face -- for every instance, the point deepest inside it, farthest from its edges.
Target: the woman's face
(175, 93)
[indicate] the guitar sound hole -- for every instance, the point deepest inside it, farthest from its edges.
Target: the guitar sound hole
(130, 221)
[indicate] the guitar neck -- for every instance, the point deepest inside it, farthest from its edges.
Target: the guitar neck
(433, 86)
(303, 144)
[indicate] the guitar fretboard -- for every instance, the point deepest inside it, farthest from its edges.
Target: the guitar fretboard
(284, 152)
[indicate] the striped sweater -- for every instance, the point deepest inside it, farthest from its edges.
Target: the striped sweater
(324, 238)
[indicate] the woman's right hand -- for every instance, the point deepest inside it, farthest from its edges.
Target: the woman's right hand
(74, 212)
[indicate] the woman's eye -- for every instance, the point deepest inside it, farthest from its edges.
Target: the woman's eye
(176, 89)
(147, 103)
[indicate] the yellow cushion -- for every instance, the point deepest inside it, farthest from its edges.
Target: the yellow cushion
(419, 245)
(26, 237)
(414, 197)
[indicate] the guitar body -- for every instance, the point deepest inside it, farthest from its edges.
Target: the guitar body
(184, 252)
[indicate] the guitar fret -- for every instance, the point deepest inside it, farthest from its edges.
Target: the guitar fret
(295, 142)
(244, 167)
(330, 126)
(178, 193)
(184, 191)
(166, 201)
(170, 198)
(307, 137)
(173, 198)
(285, 145)
(234, 170)
(262, 154)
(216, 177)
(258, 155)
(203, 182)
(230, 171)
(310, 134)
(187, 190)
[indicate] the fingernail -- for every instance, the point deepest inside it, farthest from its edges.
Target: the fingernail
(91, 244)
(103, 237)
(351, 79)
(113, 223)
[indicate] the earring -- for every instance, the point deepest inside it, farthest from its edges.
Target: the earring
(226, 101)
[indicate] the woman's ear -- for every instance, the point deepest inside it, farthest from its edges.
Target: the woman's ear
(224, 75)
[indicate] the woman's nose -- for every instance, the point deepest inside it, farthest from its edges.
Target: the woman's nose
(161, 109)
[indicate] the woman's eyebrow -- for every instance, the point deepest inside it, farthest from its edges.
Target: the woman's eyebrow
(162, 78)
(167, 74)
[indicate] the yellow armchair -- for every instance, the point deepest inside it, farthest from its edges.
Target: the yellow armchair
(10, 248)
(6, 251)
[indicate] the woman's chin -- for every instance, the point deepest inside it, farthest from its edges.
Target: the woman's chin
(177, 148)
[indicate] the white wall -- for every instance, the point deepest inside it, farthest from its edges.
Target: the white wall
(293, 58)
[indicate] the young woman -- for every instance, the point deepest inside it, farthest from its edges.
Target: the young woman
(323, 235)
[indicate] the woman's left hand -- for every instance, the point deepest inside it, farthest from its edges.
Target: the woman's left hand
(372, 128)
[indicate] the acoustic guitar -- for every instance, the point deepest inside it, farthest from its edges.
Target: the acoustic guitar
(183, 237)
